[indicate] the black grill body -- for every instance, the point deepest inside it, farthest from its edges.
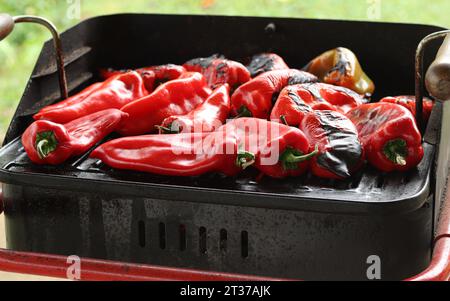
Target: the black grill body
(295, 228)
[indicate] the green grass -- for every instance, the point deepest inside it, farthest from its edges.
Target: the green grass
(19, 51)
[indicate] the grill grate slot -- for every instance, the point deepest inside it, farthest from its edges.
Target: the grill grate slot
(223, 240)
(162, 235)
(141, 233)
(202, 240)
(182, 232)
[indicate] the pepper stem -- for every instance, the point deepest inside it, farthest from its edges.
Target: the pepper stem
(283, 119)
(45, 143)
(291, 157)
(167, 130)
(245, 159)
(396, 150)
(243, 112)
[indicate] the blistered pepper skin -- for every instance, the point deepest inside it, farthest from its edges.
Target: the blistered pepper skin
(218, 71)
(257, 97)
(340, 149)
(341, 67)
(389, 135)
(264, 62)
(296, 101)
(409, 102)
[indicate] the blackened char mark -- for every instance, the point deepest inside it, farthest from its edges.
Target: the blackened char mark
(302, 77)
(260, 63)
(343, 64)
(344, 154)
(204, 62)
(301, 105)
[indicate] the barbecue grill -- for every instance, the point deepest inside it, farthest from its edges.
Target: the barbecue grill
(215, 227)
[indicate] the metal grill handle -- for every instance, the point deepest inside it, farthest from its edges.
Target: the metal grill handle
(438, 75)
(7, 25)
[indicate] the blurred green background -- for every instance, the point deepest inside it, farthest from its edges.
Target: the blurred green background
(19, 51)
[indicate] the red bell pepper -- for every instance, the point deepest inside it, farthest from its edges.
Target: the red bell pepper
(114, 93)
(47, 142)
(161, 74)
(409, 102)
(256, 97)
(389, 135)
(297, 100)
(276, 150)
(340, 150)
(264, 62)
(218, 71)
(176, 97)
(207, 117)
(341, 67)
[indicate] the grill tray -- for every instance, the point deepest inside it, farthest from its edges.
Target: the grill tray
(301, 227)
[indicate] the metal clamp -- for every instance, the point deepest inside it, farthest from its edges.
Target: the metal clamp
(7, 23)
(438, 75)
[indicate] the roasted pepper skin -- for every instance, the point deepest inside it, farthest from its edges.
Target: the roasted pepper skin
(389, 135)
(256, 97)
(409, 102)
(264, 62)
(231, 148)
(161, 73)
(295, 101)
(341, 67)
(176, 97)
(340, 150)
(47, 142)
(114, 93)
(206, 117)
(218, 71)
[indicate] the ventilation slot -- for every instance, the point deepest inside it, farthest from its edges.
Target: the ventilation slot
(182, 231)
(202, 239)
(223, 240)
(244, 244)
(141, 233)
(162, 235)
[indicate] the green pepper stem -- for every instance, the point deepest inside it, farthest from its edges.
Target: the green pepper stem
(291, 157)
(45, 143)
(283, 119)
(166, 130)
(243, 112)
(245, 159)
(396, 151)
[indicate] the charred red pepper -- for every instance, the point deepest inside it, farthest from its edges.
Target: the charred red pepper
(176, 97)
(207, 117)
(340, 150)
(275, 149)
(296, 101)
(256, 97)
(409, 102)
(264, 62)
(389, 135)
(218, 71)
(114, 93)
(160, 74)
(341, 67)
(47, 142)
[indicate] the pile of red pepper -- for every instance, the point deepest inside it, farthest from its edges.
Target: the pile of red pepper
(282, 121)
